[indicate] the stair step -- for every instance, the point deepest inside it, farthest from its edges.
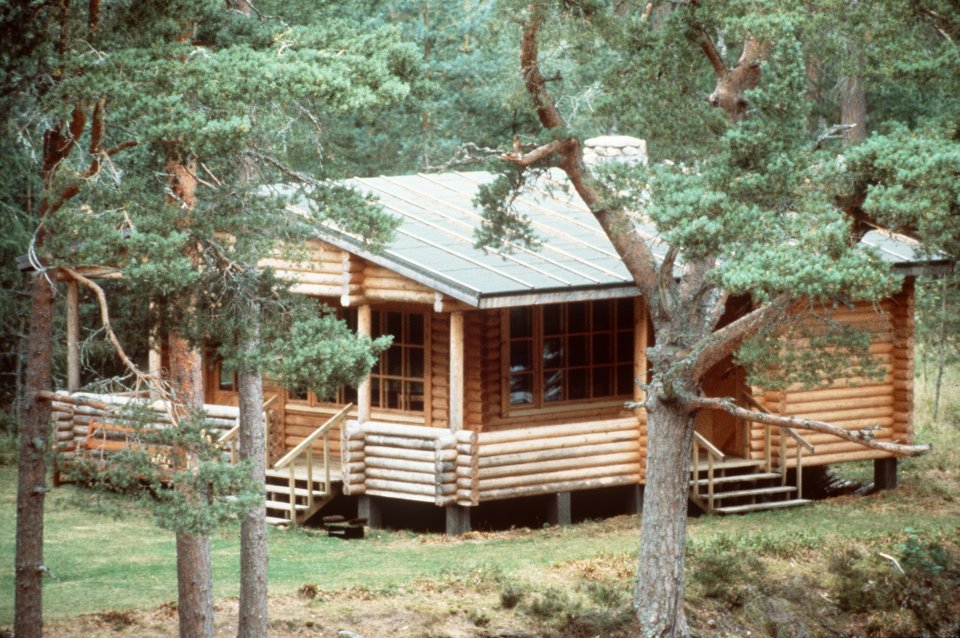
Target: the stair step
(758, 507)
(729, 464)
(298, 491)
(757, 491)
(284, 505)
(759, 476)
(274, 520)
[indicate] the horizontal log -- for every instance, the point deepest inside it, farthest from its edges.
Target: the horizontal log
(559, 476)
(402, 443)
(578, 463)
(556, 442)
(389, 452)
(406, 496)
(317, 290)
(844, 392)
(466, 436)
(409, 431)
(402, 487)
(429, 467)
(561, 486)
(551, 431)
(836, 416)
(353, 467)
(627, 446)
(399, 296)
(834, 405)
(419, 478)
(374, 283)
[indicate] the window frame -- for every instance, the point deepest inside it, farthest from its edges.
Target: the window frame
(539, 404)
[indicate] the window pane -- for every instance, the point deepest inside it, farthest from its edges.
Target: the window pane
(226, 379)
(577, 351)
(625, 313)
(577, 317)
(603, 382)
(393, 358)
(553, 386)
(414, 329)
(395, 325)
(553, 352)
(375, 399)
(602, 317)
(350, 395)
(393, 389)
(521, 389)
(414, 362)
(578, 384)
(414, 396)
(553, 319)
(376, 324)
(625, 346)
(624, 380)
(602, 348)
(521, 356)
(521, 322)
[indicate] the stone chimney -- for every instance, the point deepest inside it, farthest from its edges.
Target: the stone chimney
(615, 148)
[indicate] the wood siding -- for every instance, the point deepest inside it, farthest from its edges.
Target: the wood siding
(885, 402)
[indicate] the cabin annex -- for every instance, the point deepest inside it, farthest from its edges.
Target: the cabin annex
(510, 370)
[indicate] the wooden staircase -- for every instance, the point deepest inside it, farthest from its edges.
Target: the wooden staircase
(739, 486)
(299, 484)
(293, 505)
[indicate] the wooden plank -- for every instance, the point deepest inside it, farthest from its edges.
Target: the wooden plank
(558, 476)
(456, 371)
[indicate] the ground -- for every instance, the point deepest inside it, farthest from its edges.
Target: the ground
(886, 564)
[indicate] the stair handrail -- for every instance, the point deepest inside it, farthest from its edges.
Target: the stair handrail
(305, 448)
(230, 436)
(287, 458)
(802, 444)
(712, 453)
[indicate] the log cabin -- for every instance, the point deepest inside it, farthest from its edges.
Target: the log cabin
(510, 370)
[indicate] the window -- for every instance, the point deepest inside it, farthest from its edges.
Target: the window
(398, 381)
(570, 352)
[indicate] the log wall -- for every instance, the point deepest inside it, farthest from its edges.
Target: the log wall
(407, 462)
(885, 403)
(547, 459)
(73, 415)
(438, 409)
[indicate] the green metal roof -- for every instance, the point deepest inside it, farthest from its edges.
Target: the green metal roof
(434, 243)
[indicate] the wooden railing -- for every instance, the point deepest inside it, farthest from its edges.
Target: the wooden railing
(713, 455)
(305, 449)
(802, 444)
(231, 437)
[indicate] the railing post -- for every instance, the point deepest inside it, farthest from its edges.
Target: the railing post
(709, 482)
(782, 462)
(326, 461)
(309, 476)
(767, 448)
(292, 484)
(799, 471)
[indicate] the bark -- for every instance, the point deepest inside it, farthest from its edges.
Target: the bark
(31, 482)
(853, 109)
(658, 596)
(253, 529)
(194, 572)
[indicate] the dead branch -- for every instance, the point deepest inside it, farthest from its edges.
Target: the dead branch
(65, 398)
(713, 55)
(153, 382)
(467, 154)
(536, 155)
(835, 132)
(862, 437)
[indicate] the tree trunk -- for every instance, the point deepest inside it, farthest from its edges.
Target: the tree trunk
(194, 573)
(31, 482)
(853, 109)
(658, 597)
(253, 529)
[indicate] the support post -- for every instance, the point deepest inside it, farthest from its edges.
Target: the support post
(364, 327)
(456, 371)
(73, 336)
(458, 520)
(155, 358)
(634, 499)
(559, 510)
(369, 508)
(885, 474)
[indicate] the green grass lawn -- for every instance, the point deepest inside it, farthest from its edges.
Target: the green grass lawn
(98, 562)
